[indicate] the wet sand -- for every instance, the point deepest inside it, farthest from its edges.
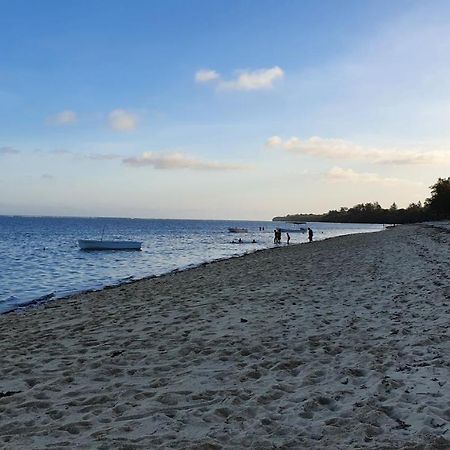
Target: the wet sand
(342, 343)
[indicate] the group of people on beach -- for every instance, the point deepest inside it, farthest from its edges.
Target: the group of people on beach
(277, 236)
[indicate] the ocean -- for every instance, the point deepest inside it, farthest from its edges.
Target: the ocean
(40, 257)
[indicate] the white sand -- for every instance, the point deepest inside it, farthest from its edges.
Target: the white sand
(345, 343)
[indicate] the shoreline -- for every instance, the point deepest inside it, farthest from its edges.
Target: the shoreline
(52, 297)
(339, 344)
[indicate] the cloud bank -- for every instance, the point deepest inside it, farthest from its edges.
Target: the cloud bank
(157, 160)
(244, 80)
(176, 161)
(346, 150)
(122, 120)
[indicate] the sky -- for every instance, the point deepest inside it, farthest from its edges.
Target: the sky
(221, 109)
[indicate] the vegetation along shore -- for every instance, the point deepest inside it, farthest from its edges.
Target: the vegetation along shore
(436, 207)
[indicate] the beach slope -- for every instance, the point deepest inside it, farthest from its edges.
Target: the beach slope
(342, 343)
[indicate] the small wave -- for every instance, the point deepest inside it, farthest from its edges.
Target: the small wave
(12, 303)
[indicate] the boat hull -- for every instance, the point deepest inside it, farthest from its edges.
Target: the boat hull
(88, 244)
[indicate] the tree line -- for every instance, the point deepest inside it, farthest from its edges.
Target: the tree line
(436, 207)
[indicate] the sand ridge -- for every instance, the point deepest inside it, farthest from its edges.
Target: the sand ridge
(337, 344)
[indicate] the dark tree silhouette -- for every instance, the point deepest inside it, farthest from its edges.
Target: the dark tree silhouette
(435, 207)
(439, 202)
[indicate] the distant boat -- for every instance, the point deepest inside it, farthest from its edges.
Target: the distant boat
(89, 244)
(237, 230)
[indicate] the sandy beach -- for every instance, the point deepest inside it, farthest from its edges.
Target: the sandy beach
(337, 344)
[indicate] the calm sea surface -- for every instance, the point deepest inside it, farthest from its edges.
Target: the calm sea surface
(40, 255)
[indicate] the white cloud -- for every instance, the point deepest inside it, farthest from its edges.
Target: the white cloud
(274, 142)
(47, 176)
(338, 174)
(205, 76)
(346, 150)
(244, 80)
(8, 150)
(173, 161)
(122, 120)
(65, 117)
(250, 81)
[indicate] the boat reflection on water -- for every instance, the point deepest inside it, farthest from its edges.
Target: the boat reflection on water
(89, 244)
(237, 230)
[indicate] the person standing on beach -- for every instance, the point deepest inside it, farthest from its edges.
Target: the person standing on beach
(310, 234)
(288, 238)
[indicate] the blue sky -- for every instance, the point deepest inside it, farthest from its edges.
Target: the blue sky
(220, 109)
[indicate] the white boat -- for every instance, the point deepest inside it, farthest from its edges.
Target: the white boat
(89, 244)
(237, 230)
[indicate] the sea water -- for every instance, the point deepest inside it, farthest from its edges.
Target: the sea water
(40, 257)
